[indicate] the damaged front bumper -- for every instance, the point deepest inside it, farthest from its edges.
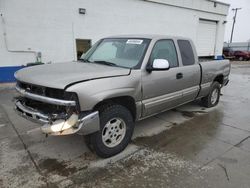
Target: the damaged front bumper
(80, 124)
(57, 124)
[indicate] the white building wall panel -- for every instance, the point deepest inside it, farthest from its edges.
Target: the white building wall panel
(51, 27)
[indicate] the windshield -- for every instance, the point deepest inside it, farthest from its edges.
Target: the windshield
(122, 52)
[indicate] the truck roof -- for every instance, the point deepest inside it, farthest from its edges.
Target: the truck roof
(148, 36)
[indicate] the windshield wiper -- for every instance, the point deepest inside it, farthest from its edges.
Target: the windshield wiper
(84, 60)
(106, 63)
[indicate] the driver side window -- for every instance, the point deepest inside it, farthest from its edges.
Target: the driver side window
(165, 49)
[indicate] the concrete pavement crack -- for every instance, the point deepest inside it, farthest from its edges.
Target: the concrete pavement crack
(225, 170)
(238, 144)
(233, 146)
(26, 148)
(235, 127)
(215, 158)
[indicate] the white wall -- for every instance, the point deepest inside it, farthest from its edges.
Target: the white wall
(51, 27)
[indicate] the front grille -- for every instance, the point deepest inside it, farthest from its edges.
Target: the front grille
(44, 91)
(48, 92)
(44, 107)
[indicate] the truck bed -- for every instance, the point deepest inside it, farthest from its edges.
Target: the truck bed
(211, 70)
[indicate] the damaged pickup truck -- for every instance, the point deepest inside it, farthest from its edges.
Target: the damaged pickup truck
(119, 81)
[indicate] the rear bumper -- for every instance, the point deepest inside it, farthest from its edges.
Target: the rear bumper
(82, 124)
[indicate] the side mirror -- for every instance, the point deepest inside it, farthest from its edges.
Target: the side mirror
(159, 65)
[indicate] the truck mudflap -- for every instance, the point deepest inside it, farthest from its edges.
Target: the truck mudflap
(225, 83)
(82, 124)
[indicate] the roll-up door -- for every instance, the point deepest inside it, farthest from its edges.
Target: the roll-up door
(206, 38)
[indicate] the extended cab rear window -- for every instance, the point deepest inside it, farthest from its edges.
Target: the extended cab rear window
(187, 54)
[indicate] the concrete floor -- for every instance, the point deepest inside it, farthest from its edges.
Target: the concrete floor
(187, 147)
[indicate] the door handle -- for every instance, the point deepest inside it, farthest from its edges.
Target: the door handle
(179, 75)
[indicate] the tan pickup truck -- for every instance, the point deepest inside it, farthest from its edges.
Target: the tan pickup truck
(119, 81)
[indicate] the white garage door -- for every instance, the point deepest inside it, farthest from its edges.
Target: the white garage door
(206, 38)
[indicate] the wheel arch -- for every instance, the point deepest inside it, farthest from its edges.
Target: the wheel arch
(219, 78)
(126, 101)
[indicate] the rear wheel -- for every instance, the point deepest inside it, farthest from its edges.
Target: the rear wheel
(116, 129)
(212, 99)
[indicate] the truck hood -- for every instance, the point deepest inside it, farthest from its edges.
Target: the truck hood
(60, 75)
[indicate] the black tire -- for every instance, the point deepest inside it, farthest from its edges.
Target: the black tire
(107, 113)
(207, 101)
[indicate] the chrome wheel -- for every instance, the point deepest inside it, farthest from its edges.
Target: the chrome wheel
(113, 132)
(214, 96)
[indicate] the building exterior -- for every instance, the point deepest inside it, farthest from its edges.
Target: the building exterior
(60, 30)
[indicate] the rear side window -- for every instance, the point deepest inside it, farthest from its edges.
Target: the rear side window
(187, 53)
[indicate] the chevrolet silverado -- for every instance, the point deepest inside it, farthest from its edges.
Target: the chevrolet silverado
(120, 80)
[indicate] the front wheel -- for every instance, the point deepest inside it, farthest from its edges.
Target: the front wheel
(212, 99)
(116, 129)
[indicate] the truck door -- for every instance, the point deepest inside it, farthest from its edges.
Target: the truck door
(190, 70)
(162, 90)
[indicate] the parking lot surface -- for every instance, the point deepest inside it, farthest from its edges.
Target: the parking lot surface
(186, 147)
